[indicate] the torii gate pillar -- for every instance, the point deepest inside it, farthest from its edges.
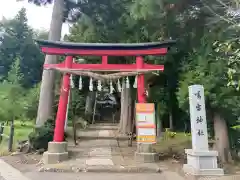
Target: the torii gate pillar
(57, 150)
(140, 81)
(63, 102)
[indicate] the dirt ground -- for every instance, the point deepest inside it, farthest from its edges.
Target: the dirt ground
(174, 163)
(30, 162)
(23, 162)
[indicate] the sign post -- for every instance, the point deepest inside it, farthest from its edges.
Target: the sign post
(146, 128)
(146, 131)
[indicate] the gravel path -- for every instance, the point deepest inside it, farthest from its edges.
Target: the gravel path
(2, 178)
(98, 176)
(7, 172)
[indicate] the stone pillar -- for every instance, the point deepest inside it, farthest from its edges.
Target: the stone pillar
(200, 161)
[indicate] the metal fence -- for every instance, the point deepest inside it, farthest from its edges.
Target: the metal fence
(9, 137)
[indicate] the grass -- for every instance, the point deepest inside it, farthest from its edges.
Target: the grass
(170, 146)
(21, 132)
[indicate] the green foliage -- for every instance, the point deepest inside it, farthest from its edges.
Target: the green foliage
(16, 43)
(41, 136)
(236, 127)
(41, 2)
(31, 102)
(77, 104)
(14, 75)
(11, 94)
(10, 101)
(169, 134)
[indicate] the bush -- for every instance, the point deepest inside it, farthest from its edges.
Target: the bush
(41, 136)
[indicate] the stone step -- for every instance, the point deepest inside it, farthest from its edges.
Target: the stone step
(101, 137)
(100, 168)
(102, 128)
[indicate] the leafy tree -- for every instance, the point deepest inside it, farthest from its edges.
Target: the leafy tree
(11, 94)
(222, 102)
(31, 99)
(17, 42)
(41, 34)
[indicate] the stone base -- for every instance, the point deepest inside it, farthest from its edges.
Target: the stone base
(54, 158)
(202, 172)
(146, 157)
(202, 163)
(57, 152)
(145, 153)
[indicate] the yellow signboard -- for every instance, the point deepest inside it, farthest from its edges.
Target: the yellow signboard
(146, 139)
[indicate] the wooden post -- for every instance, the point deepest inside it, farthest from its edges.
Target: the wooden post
(68, 104)
(11, 135)
(1, 131)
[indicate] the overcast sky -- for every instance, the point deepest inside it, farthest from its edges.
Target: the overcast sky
(38, 17)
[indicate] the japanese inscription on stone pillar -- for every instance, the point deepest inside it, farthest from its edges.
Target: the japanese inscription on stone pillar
(198, 118)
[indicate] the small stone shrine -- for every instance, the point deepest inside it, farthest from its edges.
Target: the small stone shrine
(200, 160)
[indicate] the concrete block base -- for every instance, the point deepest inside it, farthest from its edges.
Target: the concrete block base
(202, 163)
(202, 172)
(54, 158)
(57, 152)
(146, 157)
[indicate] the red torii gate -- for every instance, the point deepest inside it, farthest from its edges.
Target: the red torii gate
(104, 50)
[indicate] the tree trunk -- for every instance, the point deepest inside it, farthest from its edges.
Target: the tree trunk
(122, 106)
(221, 137)
(170, 121)
(89, 105)
(159, 122)
(74, 118)
(46, 99)
(129, 114)
(125, 114)
(159, 127)
(125, 123)
(89, 102)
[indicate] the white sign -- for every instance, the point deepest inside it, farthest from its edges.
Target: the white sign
(146, 131)
(145, 118)
(198, 118)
